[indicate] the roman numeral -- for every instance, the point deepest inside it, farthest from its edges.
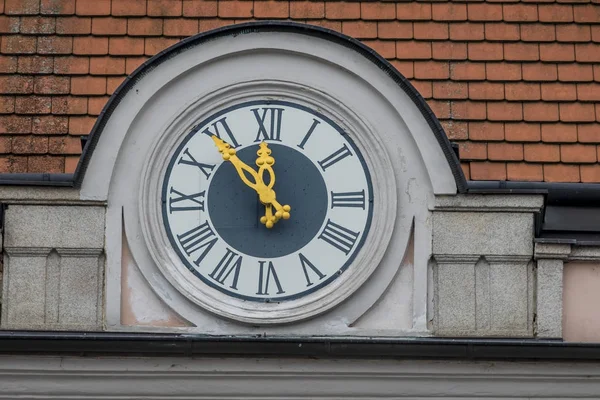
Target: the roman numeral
(196, 199)
(348, 199)
(339, 237)
(264, 278)
(272, 130)
(201, 237)
(310, 131)
(305, 263)
(231, 262)
(224, 128)
(335, 157)
(205, 168)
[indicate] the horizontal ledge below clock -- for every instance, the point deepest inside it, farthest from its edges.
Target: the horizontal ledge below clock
(135, 344)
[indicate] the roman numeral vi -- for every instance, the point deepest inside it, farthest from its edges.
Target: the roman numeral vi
(265, 277)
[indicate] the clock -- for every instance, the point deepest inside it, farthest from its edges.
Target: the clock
(232, 238)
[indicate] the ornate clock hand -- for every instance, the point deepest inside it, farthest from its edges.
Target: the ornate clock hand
(240, 166)
(265, 163)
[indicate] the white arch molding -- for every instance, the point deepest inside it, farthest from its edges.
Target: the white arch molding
(403, 146)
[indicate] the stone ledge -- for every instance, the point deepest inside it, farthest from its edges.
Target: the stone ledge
(490, 203)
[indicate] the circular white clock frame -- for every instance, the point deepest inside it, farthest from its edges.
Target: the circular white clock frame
(400, 140)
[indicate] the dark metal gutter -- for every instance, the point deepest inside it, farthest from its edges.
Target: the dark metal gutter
(62, 180)
(130, 344)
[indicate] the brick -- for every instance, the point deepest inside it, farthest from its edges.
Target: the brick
(18, 44)
(589, 52)
(486, 91)
(520, 12)
(468, 110)
(473, 151)
(132, 63)
(90, 45)
(540, 112)
(156, 45)
(107, 66)
(431, 70)
(484, 12)
(274, 9)
(395, 30)
(586, 13)
(575, 72)
(455, 130)
(485, 51)
(538, 33)
(377, 11)
(560, 52)
(145, 27)
(521, 52)
(125, 46)
(9, 24)
(8, 64)
(441, 109)
(328, 24)
(450, 90)
(109, 26)
(96, 105)
(555, 13)
(596, 33)
(15, 124)
(501, 31)
(522, 132)
(112, 83)
(541, 152)
(64, 145)
(524, 172)
(70, 105)
(467, 71)
(81, 125)
(74, 26)
(50, 125)
(71, 65)
(406, 68)
(505, 151)
(446, 11)
(467, 31)
(54, 45)
(431, 30)
(46, 164)
(413, 50)
(307, 9)
(504, 111)
(71, 164)
(486, 171)
(7, 104)
(561, 173)
(503, 71)
(596, 71)
(57, 7)
(588, 133)
(51, 84)
(578, 153)
(559, 92)
(33, 105)
(588, 92)
(449, 51)
(13, 164)
(35, 65)
(30, 145)
(22, 7)
(573, 33)
(590, 173)
(38, 25)
(16, 84)
(214, 23)
(339, 10)
(165, 8)
(88, 85)
(128, 8)
(424, 88)
(519, 91)
(577, 112)
(559, 133)
(360, 29)
(201, 8)
(5, 144)
(92, 7)
(413, 11)
(180, 27)
(539, 72)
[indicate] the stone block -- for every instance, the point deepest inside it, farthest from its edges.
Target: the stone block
(549, 298)
(482, 233)
(456, 303)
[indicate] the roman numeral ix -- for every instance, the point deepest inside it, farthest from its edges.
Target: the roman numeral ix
(231, 262)
(265, 277)
(199, 238)
(339, 237)
(218, 128)
(336, 157)
(305, 263)
(269, 124)
(348, 199)
(205, 168)
(194, 201)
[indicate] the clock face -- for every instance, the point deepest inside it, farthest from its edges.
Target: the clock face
(212, 218)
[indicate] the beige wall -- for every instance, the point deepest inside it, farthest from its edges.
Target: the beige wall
(581, 302)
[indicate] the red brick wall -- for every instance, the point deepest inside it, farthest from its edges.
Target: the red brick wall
(515, 83)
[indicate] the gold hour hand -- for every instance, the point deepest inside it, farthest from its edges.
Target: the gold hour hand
(241, 167)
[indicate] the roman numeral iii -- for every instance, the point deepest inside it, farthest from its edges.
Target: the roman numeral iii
(339, 237)
(218, 128)
(348, 199)
(269, 123)
(336, 157)
(192, 201)
(230, 263)
(201, 237)
(265, 278)
(205, 168)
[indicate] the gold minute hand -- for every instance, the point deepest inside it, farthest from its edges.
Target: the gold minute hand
(241, 167)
